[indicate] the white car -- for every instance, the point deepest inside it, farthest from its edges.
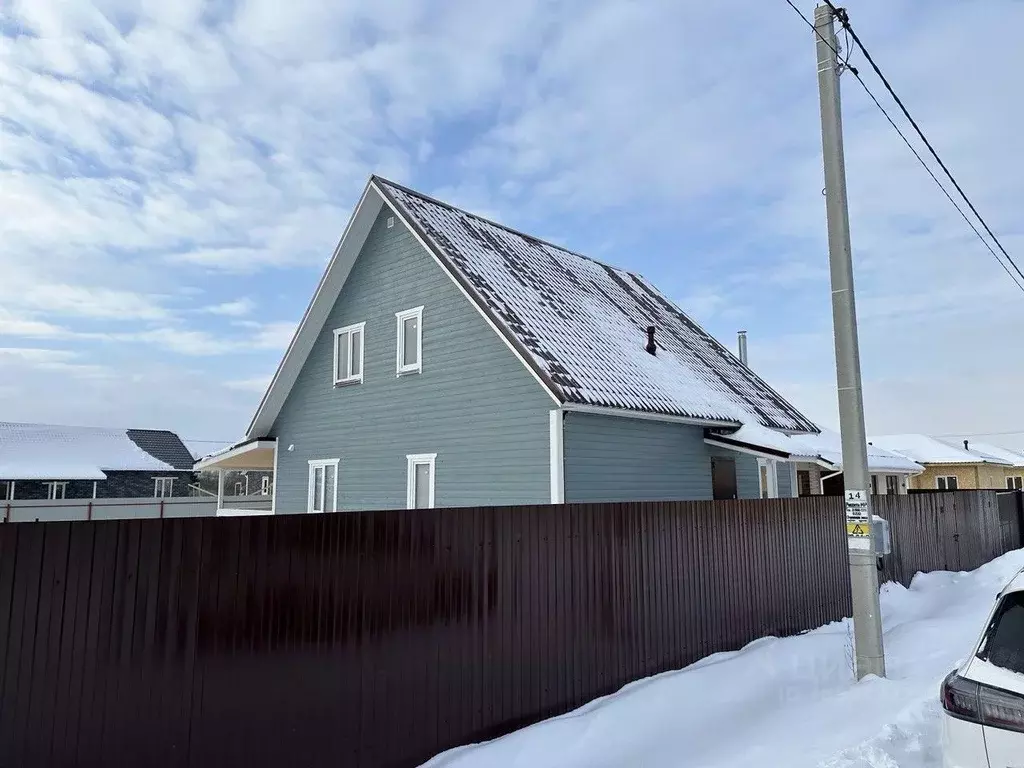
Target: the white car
(983, 700)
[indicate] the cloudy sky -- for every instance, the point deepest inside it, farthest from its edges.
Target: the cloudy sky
(175, 175)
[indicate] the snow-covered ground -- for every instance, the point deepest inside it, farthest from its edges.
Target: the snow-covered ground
(778, 702)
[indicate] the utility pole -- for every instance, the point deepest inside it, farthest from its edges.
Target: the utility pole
(867, 614)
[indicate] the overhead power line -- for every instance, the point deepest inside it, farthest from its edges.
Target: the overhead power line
(1016, 275)
(844, 19)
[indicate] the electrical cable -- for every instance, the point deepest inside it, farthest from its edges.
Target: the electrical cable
(844, 19)
(1018, 282)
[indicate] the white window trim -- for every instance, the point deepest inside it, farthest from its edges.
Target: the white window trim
(347, 331)
(414, 460)
(265, 486)
(400, 318)
(770, 467)
(947, 478)
(9, 484)
(51, 490)
(158, 483)
(1013, 478)
(323, 464)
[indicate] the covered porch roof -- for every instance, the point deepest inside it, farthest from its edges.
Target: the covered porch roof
(248, 454)
(824, 449)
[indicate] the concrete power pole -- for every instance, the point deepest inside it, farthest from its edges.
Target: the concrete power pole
(867, 615)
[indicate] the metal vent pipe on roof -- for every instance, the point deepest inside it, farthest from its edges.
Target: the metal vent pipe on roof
(967, 446)
(743, 346)
(652, 348)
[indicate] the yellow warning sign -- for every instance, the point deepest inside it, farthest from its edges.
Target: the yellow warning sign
(858, 530)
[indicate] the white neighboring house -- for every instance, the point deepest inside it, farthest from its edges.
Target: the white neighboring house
(957, 467)
(816, 461)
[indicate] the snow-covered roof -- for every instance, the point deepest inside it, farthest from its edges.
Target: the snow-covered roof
(928, 450)
(826, 447)
(582, 323)
(996, 453)
(50, 452)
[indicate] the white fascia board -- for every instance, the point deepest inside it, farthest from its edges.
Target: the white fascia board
(319, 308)
(601, 410)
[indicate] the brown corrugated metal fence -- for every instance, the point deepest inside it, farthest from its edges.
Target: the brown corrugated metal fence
(380, 638)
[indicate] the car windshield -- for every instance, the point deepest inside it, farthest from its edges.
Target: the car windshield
(1004, 642)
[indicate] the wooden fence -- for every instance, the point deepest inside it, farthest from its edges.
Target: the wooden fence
(381, 638)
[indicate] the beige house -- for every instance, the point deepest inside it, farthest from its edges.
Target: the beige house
(951, 467)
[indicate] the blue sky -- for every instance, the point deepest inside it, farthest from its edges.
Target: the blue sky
(174, 177)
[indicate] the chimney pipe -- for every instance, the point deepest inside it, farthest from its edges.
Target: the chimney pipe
(967, 447)
(651, 348)
(743, 346)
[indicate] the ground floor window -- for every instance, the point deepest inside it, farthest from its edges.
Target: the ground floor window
(768, 471)
(803, 482)
(420, 480)
(892, 484)
(323, 485)
(264, 486)
(57, 490)
(163, 487)
(1015, 483)
(6, 490)
(946, 483)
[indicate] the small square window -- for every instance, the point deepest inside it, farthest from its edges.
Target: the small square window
(391, 222)
(947, 483)
(348, 354)
(57, 490)
(163, 487)
(410, 341)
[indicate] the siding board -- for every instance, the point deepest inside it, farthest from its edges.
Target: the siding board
(474, 404)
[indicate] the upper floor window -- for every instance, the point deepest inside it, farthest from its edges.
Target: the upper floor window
(57, 490)
(946, 483)
(163, 487)
(348, 354)
(410, 340)
(1015, 483)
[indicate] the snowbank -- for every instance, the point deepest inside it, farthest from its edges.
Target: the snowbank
(778, 702)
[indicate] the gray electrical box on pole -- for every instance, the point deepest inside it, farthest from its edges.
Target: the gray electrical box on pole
(867, 615)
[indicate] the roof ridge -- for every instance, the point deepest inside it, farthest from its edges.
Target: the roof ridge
(498, 224)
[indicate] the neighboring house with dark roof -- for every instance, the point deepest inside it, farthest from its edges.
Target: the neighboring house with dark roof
(950, 466)
(446, 360)
(45, 461)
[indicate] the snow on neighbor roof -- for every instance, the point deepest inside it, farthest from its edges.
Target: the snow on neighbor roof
(50, 452)
(825, 446)
(927, 450)
(995, 453)
(583, 323)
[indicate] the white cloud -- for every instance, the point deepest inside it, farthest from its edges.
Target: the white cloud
(237, 308)
(162, 159)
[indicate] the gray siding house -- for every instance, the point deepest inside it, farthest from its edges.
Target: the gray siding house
(446, 360)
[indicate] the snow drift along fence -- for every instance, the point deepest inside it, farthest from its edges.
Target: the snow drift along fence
(380, 638)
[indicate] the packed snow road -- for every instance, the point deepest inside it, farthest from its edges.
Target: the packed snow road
(786, 702)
